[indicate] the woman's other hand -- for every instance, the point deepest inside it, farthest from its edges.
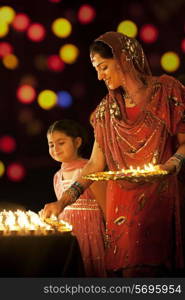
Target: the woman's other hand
(169, 166)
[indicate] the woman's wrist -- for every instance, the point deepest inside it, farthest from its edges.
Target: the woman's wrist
(177, 160)
(180, 157)
(72, 194)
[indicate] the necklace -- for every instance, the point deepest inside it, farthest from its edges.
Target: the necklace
(129, 96)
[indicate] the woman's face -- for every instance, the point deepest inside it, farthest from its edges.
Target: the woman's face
(107, 70)
(62, 147)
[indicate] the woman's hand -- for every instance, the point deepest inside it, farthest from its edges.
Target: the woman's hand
(170, 166)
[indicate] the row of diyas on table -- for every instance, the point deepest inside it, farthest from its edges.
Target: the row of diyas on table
(31, 247)
(24, 223)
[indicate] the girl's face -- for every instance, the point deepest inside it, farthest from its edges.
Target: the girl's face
(62, 147)
(107, 70)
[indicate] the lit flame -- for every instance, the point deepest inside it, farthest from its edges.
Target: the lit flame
(150, 168)
(60, 224)
(25, 223)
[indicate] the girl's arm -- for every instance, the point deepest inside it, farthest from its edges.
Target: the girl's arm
(96, 163)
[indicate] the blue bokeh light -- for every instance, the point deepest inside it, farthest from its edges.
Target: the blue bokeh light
(64, 99)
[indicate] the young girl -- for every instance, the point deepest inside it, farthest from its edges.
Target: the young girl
(66, 140)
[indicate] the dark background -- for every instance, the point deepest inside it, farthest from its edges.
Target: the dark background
(36, 188)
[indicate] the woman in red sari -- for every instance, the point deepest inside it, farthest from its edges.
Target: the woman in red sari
(136, 124)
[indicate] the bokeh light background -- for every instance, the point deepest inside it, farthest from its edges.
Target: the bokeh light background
(46, 75)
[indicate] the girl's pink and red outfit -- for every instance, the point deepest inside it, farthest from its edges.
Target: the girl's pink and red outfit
(86, 218)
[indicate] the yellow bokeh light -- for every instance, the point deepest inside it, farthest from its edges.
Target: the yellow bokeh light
(128, 27)
(170, 61)
(7, 14)
(4, 29)
(61, 27)
(69, 53)
(2, 168)
(10, 61)
(47, 99)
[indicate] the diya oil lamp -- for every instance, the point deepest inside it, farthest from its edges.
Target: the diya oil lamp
(148, 173)
(24, 223)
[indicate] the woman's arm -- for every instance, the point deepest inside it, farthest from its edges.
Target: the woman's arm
(174, 163)
(181, 142)
(99, 190)
(96, 163)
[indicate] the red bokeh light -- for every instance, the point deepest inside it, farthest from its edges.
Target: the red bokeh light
(183, 45)
(86, 14)
(36, 32)
(55, 63)
(55, 1)
(16, 172)
(5, 49)
(26, 93)
(21, 22)
(149, 33)
(7, 144)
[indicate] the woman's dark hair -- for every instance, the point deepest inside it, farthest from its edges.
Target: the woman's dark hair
(101, 48)
(70, 128)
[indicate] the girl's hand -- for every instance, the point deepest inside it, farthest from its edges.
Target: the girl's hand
(53, 208)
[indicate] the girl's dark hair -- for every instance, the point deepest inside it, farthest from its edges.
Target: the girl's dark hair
(70, 128)
(101, 48)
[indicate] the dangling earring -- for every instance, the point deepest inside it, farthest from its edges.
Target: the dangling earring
(126, 94)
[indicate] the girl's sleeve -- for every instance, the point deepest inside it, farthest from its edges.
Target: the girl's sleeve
(55, 179)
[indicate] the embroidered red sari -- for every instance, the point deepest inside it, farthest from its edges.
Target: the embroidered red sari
(143, 223)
